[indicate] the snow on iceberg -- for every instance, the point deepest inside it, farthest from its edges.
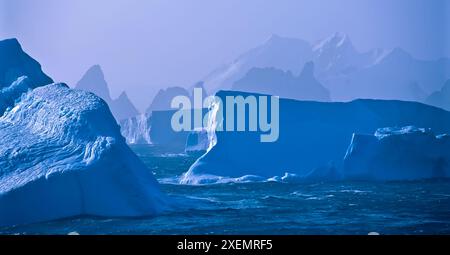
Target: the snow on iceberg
(407, 153)
(8, 95)
(313, 138)
(62, 155)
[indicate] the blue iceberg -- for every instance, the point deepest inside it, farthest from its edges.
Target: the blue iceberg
(61, 151)
(313, 138)
(406, 153)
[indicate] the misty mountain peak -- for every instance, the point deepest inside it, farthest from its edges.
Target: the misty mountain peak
(446, 88)
(276, 41)
(274, 38)
(94, 81)
(336, 41)
(123, 108)
(398, 54)
(441, 98)
(164, 97)
(123, 96)
(282, 83)
(308, 69)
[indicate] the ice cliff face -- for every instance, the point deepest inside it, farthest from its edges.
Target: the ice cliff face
(136, 130)
(407, 153)
(62, 155)
(313, 138)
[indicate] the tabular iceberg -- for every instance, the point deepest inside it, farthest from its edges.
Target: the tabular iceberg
(406, 153)
(313, 137)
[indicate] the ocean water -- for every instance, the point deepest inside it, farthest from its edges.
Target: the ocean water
(420, 207)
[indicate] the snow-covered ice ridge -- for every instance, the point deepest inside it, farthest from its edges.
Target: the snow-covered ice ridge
(61, 152)
(314, 137)
(405, 153)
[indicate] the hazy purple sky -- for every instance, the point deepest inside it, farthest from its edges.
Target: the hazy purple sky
(144, 45)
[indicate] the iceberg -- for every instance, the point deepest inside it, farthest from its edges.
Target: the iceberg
(198, 141)
(61, 152)
(62, 155)
(313, 137)
(9, 95)
(154, 127)
(136, 130)
(14, 63)
(407, 153)
(163, 134)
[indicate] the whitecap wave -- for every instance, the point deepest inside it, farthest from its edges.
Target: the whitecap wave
(206, 179)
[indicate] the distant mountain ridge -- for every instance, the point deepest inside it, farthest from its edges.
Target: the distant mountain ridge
(94, 81)
(440, 98)
(347, 73)
(284, 84)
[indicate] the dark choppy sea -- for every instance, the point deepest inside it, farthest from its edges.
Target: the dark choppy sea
(421, 207)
